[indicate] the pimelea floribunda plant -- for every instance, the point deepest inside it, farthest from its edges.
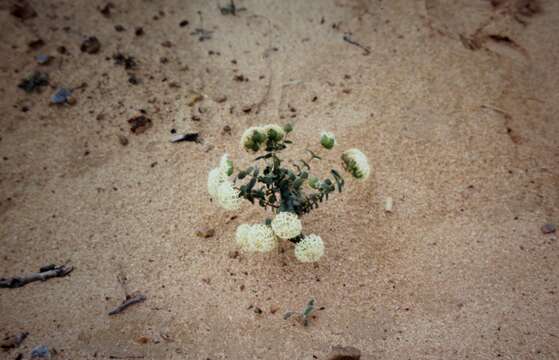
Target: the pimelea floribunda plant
(287, 188)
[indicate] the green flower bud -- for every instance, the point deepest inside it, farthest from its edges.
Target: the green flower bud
(288, 128)
(314, 182)
(328, 140)
(226, 165)
(252, 138)
(258, 137)
(274, 132)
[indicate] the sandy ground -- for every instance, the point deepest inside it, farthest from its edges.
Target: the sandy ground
(455, 105)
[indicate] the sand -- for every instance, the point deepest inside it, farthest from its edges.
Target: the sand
(455, 103)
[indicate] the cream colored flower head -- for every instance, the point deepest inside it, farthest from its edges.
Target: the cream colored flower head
(274, 132)
(356, 163)
(310, 249)
(286, 225)
(253, 138)
(327, 139)
(227, 196)
(260, 238)
(241, 236)
(215, 178)
(226, 165)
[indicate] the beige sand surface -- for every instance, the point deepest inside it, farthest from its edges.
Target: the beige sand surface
(456, 106)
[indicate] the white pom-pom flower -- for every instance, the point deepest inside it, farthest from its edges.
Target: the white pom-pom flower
(260, 238)
(274, 132)
(241, 236)
(286, 225)
(226, 165)
(327, 139)
(252, 138)
(356, 163)
(228, 196)
(310, 249)
(215, 178)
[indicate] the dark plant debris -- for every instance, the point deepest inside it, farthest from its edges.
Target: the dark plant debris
(127, 61)
(347, 38)
(36, 44)
(230, 9)
(45, 273)
(13, 341)
(183, 23)
(90, 45)
(139, 124)
(528, 8)
(344, 353)
(130, 300)
(139, 31)
(202, 34)
(240, 78)
(35, 82)
(304, 315)
(132, 79)
(106, 10)
(185, 137)
(22, 10)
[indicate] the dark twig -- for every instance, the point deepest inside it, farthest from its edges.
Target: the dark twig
(126, 356)
(12, 342)
(130, 300)
(347, 38)
(45, 273)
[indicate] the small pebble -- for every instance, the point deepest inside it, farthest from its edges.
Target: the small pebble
(142, 340)
(40, 352)
(205, 232)
(548, 229)
(91, 45)
(42, 59)
(123, 140)
(388, 204)
(60, 96)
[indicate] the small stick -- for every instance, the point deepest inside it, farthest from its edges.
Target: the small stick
(130, 300)
(126, 356)
(347, 38)
(44, 273)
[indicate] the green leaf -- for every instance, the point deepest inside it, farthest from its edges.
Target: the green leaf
(298, 182)
(266, 156)
(251, 184)
(309, 308)
(242, 174)
(339, 179)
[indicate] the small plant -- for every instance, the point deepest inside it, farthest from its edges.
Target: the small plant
(303, 315)
(285, 187)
